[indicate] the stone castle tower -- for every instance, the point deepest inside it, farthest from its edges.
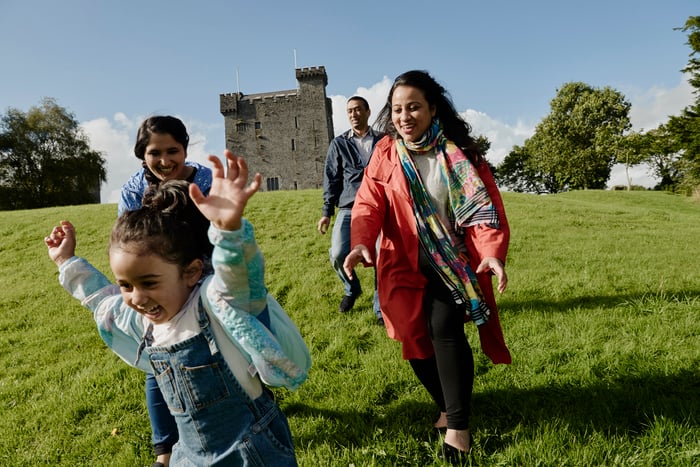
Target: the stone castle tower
(284, 135)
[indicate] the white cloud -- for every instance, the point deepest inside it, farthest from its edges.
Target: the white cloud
(115, 137)
(501, 135)
(652, 107)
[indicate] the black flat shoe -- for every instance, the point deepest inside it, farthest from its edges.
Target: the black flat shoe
(456, 456)
(453, 455)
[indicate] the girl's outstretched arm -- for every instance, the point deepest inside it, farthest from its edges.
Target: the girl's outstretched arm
(229, 194)
(120, 327)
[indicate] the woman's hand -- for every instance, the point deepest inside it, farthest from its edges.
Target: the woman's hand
(61, 242)
(228, 195)
(496, 266)
(357, 254)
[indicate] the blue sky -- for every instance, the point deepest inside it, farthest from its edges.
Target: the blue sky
(114, 63)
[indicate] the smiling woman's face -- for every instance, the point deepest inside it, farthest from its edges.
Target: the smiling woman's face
(165, 157)
(410, 112)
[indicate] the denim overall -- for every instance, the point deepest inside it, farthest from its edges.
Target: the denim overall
(218, 422)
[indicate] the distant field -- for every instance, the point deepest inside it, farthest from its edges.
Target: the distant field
(602, 316)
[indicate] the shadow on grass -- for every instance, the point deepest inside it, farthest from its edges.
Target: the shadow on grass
(355, 429)
(625, 406)
(591, 302)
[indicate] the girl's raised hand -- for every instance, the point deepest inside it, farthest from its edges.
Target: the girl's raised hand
(229, 192)
(61, 242)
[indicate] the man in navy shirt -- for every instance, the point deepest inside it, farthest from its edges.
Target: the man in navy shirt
(347, 158)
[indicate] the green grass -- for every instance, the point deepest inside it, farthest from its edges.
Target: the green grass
(602, 316)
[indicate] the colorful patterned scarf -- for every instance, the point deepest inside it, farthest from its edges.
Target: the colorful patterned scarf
(470, 205)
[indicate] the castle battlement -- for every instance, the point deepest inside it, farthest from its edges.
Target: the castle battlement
(228, 103)
(312, 72)
(231, 102)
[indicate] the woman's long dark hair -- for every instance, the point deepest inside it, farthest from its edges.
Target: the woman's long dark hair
(168, 224)
(455, 128)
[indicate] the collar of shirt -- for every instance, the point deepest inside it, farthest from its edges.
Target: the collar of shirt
(351, 134)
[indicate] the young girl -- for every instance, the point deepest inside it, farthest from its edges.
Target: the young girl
(161, 145)
(206, 344)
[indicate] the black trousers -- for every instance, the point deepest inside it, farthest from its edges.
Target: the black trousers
(449, 374)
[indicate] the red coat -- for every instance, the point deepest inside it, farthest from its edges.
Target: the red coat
(383, 203)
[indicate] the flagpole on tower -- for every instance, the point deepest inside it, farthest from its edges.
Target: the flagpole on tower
(238, 85)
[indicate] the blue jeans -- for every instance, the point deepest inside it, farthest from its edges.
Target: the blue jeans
(218, 422)
(163, 424)
(340, 247)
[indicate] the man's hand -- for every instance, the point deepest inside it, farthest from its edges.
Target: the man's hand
(323, 224)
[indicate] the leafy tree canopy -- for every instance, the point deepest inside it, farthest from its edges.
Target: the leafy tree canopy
(577, 143)
(574, 146)
(661, 151)
(685, 129)
(46, 160)
(517, 173)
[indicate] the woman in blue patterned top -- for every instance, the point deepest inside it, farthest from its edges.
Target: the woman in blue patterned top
(161, 145)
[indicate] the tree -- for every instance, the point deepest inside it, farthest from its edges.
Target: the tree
(483, 143)
(630, 153)
(578, 141)
(661, 151)
(686, 127)
(651, 148)
(46, 160)
(517, 174)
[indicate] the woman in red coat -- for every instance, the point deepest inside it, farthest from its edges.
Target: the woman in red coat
(444, 233)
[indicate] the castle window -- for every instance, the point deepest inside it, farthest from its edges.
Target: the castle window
(296, 122)
(258, 125)
(294, 145)
(273, 184)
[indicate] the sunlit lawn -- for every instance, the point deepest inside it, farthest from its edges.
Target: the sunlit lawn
(602, 316)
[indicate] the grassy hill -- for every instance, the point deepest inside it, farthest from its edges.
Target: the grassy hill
(602, 316)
